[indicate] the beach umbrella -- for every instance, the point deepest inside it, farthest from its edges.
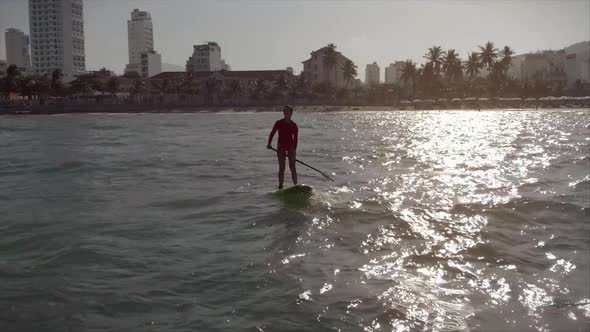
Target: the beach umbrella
(456, 99)
(417, 100)
(469, 99)
(531, 99)
(483, 99)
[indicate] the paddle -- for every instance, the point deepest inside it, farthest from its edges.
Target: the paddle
(315, 169)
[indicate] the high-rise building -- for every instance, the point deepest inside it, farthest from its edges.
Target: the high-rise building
(57, 37)
(393, 73)
(372, 74)
(140, 32)
(17, 49)
(143, 59)
(206, 57)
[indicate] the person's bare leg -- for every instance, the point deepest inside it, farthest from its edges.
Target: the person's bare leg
(281, 157)
(292, 158)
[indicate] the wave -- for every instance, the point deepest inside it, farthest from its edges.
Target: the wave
(66, 166)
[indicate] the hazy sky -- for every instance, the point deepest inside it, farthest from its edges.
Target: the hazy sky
(256, 34)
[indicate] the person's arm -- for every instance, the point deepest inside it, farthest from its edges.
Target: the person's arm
(272, 134)
(295, 135)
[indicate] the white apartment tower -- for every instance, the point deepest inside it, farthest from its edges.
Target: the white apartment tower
(57, 37)
(143, 59)
(393, 73)
(17, 49)
(372, 74)
(140, 35)
(206, 57)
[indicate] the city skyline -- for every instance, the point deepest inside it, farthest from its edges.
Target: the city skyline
(269, 35)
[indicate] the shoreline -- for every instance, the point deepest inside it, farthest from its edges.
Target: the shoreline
(159, 109)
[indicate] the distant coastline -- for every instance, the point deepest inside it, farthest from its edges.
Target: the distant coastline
(130, 108)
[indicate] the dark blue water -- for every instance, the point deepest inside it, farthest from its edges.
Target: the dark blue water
(437, 221)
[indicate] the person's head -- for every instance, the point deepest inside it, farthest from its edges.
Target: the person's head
(288, 111)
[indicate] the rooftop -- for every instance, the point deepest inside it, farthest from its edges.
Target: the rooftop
(322, 50)
(237, 74)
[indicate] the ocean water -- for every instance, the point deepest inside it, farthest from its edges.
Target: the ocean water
(437, 221)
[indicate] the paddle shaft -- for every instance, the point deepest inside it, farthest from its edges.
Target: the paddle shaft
(315, 169)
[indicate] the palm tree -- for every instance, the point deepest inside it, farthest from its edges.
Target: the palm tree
(187, 81)
(349, 72)
(258, 89)
(56, 84)
(212, 88)
(506, 58)
(40, 86)
(426, 78)
(162, 87)
(234, 89)
(473, 65)
(506, 53)
(488, 55)
(25, 87)
(113, 85)
(435, 56)
(137, 88)
(302, 88)
(11, 80)
(330, 60)
(98, 84)
(409, 74)
(280, 88)
(497, 77)
(79, 85)
(452, 65)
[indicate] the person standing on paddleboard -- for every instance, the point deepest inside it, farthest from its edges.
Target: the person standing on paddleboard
(287, 144)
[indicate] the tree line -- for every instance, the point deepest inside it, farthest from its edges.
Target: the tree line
(443, 75)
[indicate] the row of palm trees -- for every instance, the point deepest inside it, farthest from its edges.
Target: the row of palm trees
(447, 68)
(185, 89)
(40, 87)
(484, 72)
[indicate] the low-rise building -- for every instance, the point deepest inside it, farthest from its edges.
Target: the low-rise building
(245, 76)
(151, 64)
(205, 57)
(555, 66)
(316, 71)
(225, 66)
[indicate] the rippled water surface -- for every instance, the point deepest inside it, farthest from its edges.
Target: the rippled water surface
(437, 221)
